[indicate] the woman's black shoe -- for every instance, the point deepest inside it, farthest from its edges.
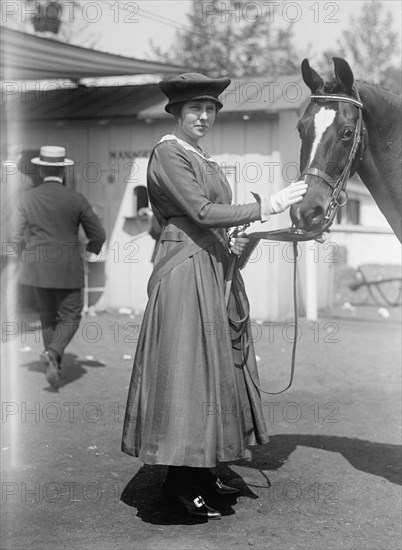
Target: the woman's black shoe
(211, 484)
(222, 489)
(195, 507)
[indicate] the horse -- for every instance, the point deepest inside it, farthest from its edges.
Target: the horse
(348, 127)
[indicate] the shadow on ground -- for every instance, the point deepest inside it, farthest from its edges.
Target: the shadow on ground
(380, 459)
(143, 490)
(143, 493)
(72, 367)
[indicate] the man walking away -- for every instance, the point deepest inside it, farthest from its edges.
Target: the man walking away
(48, 218)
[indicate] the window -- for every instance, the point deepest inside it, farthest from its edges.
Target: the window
(140, 198)
(350, 213)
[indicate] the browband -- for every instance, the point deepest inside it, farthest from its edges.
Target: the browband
(338, 98)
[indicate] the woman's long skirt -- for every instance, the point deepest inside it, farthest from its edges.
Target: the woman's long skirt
(192, 399)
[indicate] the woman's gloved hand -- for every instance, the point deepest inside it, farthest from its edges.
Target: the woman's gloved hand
(284, 198)
(238, 243)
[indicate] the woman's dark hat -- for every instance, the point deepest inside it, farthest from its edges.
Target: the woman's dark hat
(190, 86)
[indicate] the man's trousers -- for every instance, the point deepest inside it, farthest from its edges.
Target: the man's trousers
(60, 315)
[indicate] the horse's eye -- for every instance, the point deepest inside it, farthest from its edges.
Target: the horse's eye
(347, 134)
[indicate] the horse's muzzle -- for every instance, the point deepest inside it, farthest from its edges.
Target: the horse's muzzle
(311, 218)
(307, 217)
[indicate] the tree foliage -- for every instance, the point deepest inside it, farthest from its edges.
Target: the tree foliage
(370, 47)
(234, 38)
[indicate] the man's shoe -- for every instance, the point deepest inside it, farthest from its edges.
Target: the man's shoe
(53, 370)
(195, 507)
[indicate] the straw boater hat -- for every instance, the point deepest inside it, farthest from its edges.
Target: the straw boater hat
(52, 155)
(190, 86)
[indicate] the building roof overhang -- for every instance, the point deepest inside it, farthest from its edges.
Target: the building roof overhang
(30, 57)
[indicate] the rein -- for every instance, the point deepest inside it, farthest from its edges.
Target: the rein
(291, 234)
(281, 235)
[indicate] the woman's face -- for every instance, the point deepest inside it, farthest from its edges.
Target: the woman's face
(196, 118)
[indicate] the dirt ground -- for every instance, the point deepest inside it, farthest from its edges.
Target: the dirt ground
(329, 478)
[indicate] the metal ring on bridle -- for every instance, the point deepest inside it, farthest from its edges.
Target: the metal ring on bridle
(342, 204)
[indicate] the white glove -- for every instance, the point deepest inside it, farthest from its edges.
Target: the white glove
(278, 202)
(292, 194)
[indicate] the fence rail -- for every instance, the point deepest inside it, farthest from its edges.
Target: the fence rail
(361, 229)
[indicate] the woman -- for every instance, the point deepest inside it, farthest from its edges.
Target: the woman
(193, 398)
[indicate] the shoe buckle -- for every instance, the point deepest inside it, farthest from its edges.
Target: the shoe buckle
(199, 501)
(219, 483)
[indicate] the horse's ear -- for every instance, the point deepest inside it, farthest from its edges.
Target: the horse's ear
(310, 77)
(343, 74)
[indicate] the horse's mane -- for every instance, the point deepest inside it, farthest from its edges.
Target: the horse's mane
(333, 87)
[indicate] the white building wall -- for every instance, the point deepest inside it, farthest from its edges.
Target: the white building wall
(269, 273)
(127, 253)
(368, 248)
(371, 242)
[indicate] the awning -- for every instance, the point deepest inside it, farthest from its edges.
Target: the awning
(30, 57)
(81, 103)
(253, 95)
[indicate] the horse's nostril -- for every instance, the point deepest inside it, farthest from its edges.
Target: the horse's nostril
(316, 213)
(313, 216)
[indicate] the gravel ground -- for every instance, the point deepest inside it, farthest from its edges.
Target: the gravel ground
(329, 478)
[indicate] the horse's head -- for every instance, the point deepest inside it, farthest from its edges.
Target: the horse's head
(327, 131)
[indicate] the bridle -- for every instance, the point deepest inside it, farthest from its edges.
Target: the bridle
(338, 186)
(294, 235)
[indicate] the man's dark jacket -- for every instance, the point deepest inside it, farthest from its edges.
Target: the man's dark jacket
(48, 218)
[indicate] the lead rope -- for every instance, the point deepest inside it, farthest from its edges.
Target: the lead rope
(295, 332)
(229, 279)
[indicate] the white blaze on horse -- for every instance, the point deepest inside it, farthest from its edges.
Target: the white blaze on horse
(348, 127)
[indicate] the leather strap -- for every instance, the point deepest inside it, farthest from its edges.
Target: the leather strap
(322, 175)
(173, 258)
(295, 333)
(191, 243)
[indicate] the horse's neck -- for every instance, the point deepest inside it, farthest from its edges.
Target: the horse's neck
(381, 166)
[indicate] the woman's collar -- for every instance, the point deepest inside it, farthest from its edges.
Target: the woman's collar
(185, 145)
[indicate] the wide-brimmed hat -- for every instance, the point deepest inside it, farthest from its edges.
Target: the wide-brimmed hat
(52, 155)
(191, 86)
